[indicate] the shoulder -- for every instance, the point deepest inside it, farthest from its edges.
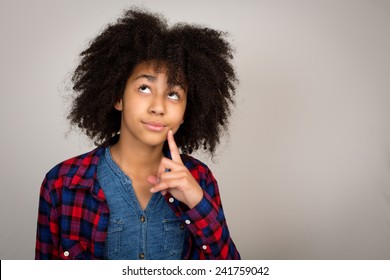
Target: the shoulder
(74, 176)
(192, 163)
(197, 168)
(83, 165)
(203, 176)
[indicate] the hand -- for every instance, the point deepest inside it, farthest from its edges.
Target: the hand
(178, 182)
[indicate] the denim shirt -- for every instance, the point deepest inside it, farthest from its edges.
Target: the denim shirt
(133, 233)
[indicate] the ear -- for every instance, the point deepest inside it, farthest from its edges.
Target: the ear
(119, 105)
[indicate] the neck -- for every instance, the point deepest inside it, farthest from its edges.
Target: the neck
(136, 160)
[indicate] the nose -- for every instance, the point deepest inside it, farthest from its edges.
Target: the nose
(157, 105)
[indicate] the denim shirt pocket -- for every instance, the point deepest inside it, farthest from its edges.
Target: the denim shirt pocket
(72, 249)
(113, 241)
(174, 236)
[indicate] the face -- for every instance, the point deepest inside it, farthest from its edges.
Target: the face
(150, 106)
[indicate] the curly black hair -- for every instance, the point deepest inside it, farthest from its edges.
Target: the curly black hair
(199, 55)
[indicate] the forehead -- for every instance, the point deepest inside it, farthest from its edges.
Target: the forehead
(149, 68)
(172, 76)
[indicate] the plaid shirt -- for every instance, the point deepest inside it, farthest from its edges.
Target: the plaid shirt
(73, 213)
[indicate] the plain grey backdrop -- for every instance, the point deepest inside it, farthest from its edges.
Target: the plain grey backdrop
(305, 171)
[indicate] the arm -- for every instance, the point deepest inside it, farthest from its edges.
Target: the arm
(208, 226)
(47, 227)
(198, 190)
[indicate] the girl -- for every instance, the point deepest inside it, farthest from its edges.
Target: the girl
(135, 196)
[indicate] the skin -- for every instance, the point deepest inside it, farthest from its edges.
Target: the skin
(152, 111)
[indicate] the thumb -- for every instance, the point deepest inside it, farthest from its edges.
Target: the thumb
(152, 179)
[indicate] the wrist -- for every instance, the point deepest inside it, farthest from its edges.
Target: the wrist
(196, 199)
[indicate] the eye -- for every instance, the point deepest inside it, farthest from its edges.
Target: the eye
(144, 89)
(173, 95)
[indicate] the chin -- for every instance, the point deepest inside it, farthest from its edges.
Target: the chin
(154, 141)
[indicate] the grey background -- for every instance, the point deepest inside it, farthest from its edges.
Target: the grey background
(304, 173)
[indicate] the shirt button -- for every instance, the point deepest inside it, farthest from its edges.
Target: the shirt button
(204, 247)
(171, 199)
(188, 222)
(142, 219)
(182, 226)
(66, 254)
(141, 256)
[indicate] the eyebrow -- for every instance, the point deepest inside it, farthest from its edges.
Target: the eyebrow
(152, 79)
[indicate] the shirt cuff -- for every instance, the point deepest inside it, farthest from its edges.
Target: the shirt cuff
(204, 219)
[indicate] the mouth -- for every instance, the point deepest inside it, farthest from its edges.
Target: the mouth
(155, 126)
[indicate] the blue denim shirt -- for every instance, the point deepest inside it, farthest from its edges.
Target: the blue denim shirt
(133, 233)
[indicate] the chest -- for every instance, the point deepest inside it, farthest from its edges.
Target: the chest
(141, 189)
(155, 233)
(141, 225)
(135, 232)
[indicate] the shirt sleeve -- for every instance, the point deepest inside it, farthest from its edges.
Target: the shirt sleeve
(207, 224)
(47, 235)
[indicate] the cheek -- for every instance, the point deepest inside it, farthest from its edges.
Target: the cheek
(180, 115)
(133, 106)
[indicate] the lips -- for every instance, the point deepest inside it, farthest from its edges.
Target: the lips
(155, 126)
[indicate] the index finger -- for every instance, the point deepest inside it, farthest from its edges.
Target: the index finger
(175, 153)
